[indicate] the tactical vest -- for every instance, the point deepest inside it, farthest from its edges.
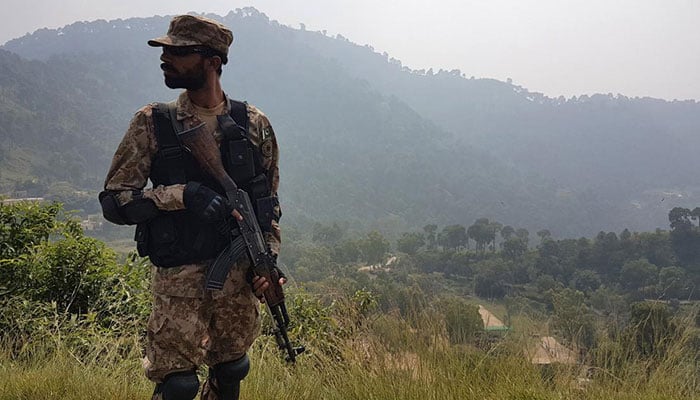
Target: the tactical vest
(178, 237)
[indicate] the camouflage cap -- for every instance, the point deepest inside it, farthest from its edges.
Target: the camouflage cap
(193, 30)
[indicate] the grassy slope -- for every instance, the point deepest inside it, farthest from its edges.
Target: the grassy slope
(378, 364)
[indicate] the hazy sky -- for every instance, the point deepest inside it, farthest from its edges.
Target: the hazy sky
(557, 47)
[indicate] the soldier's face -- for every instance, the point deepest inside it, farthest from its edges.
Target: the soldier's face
(183, 72)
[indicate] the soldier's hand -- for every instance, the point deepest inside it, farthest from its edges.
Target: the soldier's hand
(261, 284)
(206, 203)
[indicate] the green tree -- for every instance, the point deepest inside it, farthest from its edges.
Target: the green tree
(374, 247)
(45, 257)
(70, 272)
(453, 237)
(483, 232)
(680, 219)
(347, 251)
(523, 235)
(314, 264)
(544, 234)
(545, 283)
(625, 235)
(25, 225)
(549, 260)
(685, 237)
(410, 242)
(489, 284)
(638, 274)
(673, 283)
(514, 248)
(507, 232)
(430, 235)
(494, 227)
(606, 255)
(656, 247)
(586, 281)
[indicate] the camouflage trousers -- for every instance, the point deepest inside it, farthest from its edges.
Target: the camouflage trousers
(190, 326)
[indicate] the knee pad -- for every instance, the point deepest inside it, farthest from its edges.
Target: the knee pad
(229, 375)
(179, 386)
(232, 371)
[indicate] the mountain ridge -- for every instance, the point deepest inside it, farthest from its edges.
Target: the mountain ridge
(321, 92)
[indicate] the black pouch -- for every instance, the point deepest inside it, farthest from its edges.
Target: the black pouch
(177, 238)
(141, 238)
(266, 212)
(258, 187)
(241, 160)
(162, 239)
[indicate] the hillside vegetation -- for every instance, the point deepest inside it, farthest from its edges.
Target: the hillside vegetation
(72, 313)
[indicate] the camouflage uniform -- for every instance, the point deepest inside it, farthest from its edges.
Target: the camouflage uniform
(190, 326)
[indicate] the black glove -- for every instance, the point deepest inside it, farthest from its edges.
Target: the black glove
(206, 203)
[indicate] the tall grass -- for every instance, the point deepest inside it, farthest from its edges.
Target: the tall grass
(52, 370)
(385, 356)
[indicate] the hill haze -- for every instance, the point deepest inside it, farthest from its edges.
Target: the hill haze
(362, 138)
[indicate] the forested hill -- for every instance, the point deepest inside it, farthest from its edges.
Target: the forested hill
(628, 140)
(362, 138)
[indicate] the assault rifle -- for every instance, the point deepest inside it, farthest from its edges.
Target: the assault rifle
(206, 152)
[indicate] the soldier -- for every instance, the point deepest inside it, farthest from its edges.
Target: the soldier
(179, 220)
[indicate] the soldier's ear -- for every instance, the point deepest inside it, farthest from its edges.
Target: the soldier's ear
(216, 62)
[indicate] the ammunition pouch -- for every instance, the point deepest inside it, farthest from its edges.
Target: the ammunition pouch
(267, 211)
(240, 159)
(178, 237)
(135, 212)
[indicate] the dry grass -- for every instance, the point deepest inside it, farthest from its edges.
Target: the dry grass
(378, 362)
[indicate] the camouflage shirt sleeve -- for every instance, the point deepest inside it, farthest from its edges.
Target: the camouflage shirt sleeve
(131, 166)
(262, 135)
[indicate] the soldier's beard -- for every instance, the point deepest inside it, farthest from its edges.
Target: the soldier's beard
(191, 79)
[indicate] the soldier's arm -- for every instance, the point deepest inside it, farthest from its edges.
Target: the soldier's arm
(263, 135)
(125, 200)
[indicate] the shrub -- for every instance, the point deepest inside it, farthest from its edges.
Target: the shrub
(462, 320)
(57, 283)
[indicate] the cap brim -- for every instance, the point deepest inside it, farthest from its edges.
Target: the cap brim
(171, 41)
(160, 42)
